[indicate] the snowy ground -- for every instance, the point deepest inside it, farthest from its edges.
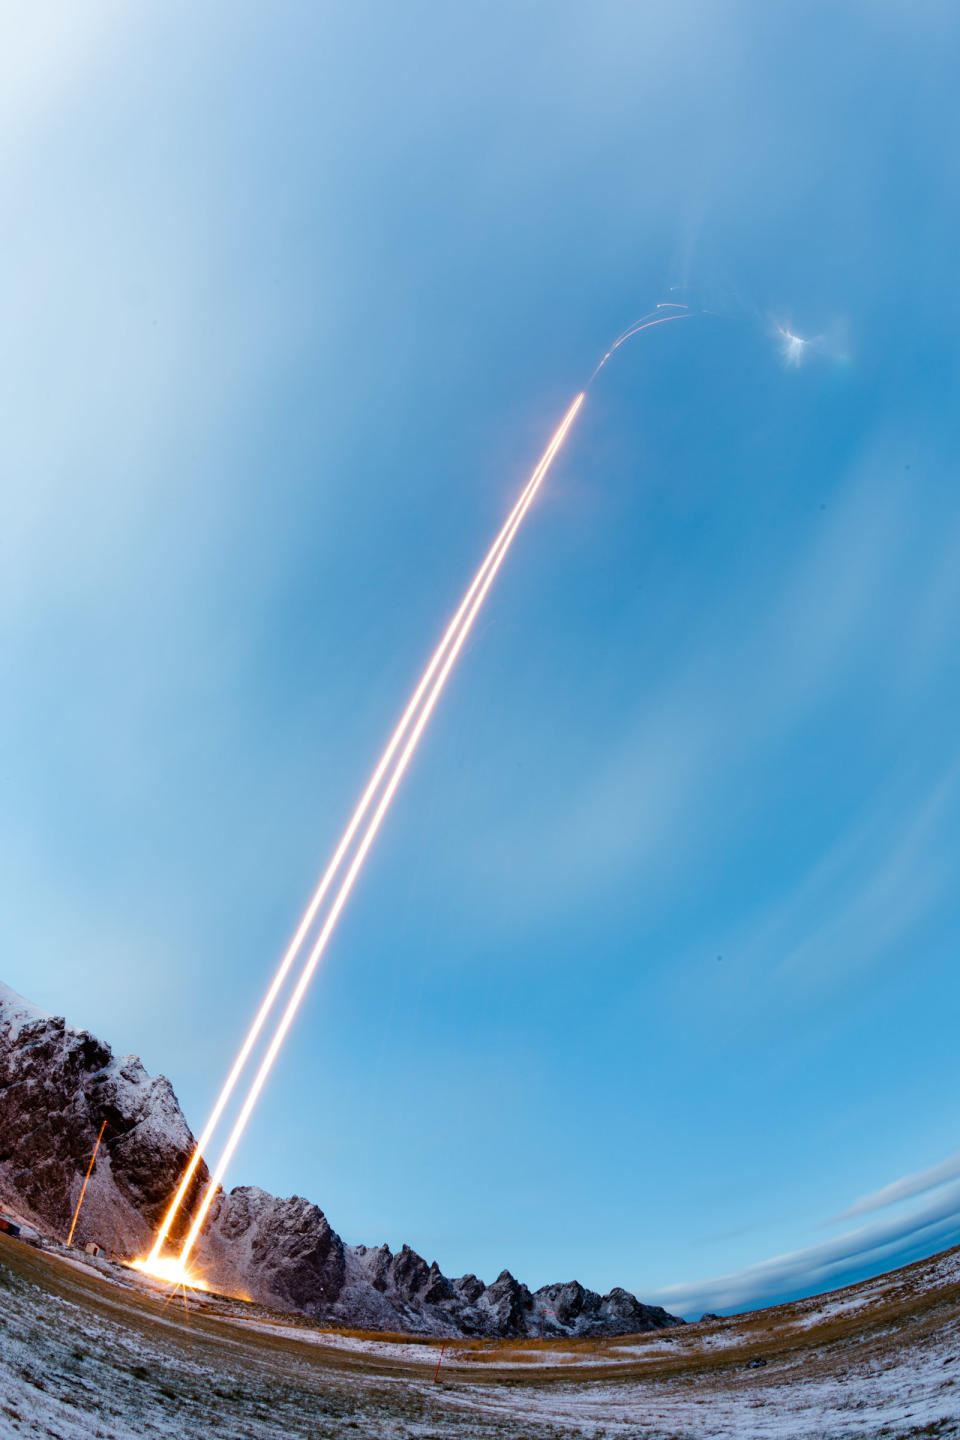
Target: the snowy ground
(89, 1352)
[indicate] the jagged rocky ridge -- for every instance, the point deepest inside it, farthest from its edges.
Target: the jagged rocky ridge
(58, 1085)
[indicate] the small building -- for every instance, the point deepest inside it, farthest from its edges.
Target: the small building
(8, 1227)
(92, 1248)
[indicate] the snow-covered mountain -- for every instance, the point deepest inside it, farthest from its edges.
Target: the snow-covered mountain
(58, 1086)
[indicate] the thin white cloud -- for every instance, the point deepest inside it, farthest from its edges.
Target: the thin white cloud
(629, 804)
(891, 896)
(933, 1225)
(904, 1189)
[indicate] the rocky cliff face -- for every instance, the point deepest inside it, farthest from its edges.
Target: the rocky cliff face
(58, 1085)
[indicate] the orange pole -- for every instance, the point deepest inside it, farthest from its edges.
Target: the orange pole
(86, 1177)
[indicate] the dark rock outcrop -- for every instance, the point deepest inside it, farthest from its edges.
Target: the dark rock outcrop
(58, 1086)
(282, 1252)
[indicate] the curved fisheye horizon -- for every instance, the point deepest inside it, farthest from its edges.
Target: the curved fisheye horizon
(649, 979)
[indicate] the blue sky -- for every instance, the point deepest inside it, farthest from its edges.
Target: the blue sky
(651, 978)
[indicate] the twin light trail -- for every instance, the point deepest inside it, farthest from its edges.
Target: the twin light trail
(421, 705)
(416, 715)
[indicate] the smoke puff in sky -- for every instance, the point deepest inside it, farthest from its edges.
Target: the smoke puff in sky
(654, 965)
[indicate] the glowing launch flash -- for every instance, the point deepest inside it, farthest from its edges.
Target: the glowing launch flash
(172, 1269)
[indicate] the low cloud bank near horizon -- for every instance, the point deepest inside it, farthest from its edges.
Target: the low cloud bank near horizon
(856, 1255)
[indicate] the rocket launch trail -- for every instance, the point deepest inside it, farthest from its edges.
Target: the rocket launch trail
(646, 322)
(502, 540)
(409, 729)
(351, 853)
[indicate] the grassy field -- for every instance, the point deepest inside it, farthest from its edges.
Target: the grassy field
(90, 1350)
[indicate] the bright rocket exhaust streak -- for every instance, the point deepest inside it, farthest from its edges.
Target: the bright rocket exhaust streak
(330, 873)
(346, 886)
(449, 647)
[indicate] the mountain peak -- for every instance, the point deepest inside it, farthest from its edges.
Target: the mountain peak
(59, 1085)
